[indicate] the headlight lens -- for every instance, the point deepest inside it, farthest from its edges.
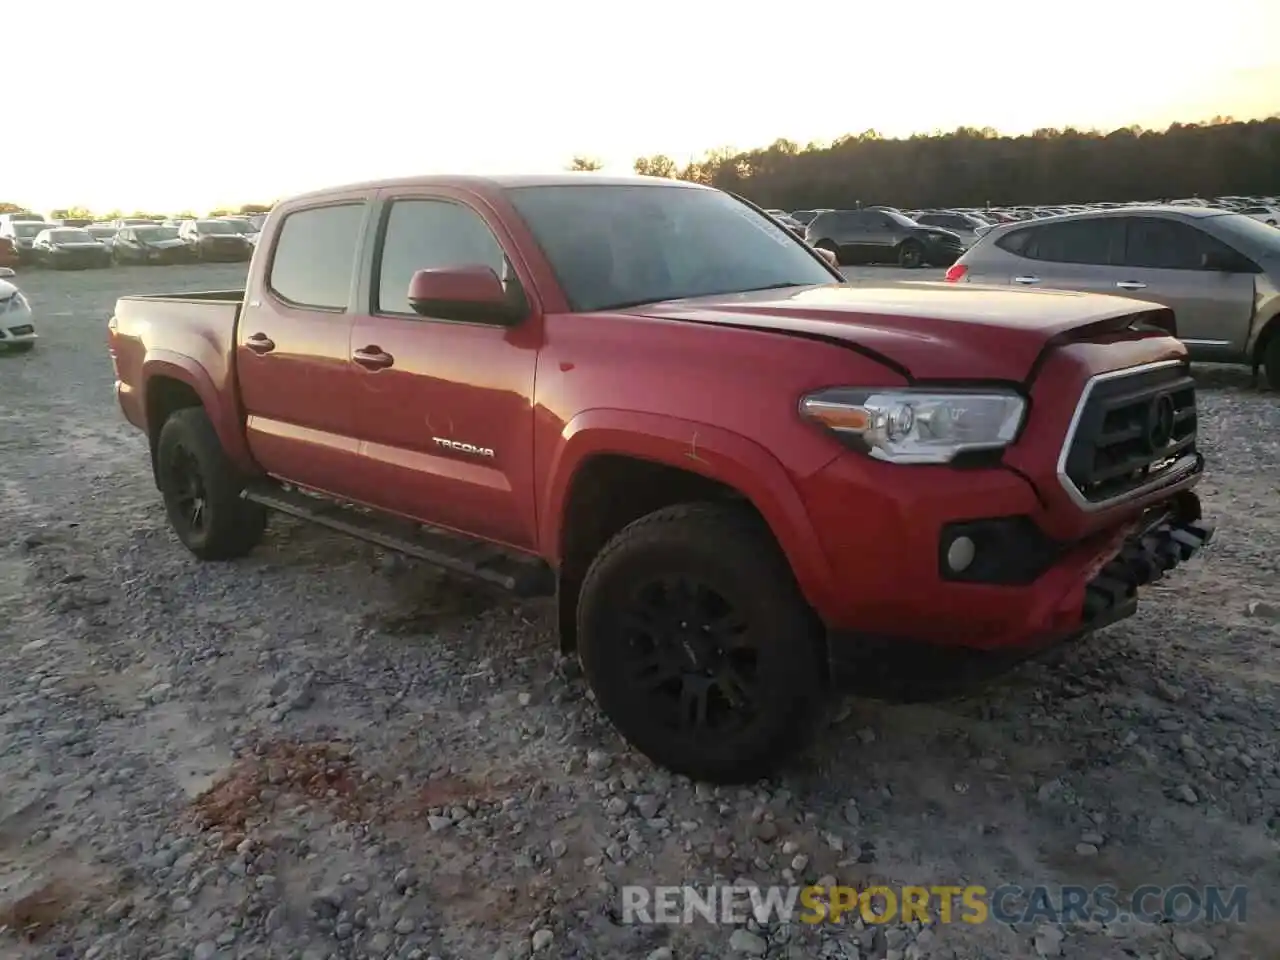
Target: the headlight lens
(917, 426)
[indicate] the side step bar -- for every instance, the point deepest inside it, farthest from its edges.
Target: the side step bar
(525, 577)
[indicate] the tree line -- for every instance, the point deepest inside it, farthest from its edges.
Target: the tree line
(968, 167)
(972, 167)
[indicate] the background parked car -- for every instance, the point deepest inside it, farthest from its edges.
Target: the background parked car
(1219, 271)
(881, 235)
(69, 248)
(131, 222)
(103, 232)
(805, 217)
(788, 221)
(244, 226)
(151, 244)
(8, 253)
(215, 240)
(23, 234)
(963, 225)
(1263, 214)
(17, 329)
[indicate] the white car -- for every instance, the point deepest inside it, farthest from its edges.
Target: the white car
(1263, 214)
(17, 329)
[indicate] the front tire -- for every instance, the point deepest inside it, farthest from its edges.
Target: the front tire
(698, 644)
(201, 490)
(1271, 361)
(910, 254)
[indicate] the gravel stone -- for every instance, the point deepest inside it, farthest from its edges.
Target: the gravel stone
(1192, 946)
(745, 942)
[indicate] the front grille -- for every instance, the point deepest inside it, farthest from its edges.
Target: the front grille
(1132, 430)
(23, 330)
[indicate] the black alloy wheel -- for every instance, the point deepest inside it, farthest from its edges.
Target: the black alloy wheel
(698, 645)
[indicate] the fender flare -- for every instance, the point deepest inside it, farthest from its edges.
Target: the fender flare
(184, 369)
(714, 452)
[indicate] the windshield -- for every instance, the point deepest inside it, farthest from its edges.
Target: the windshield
(152, 234)
(134, 221)
(27, 228)
(101, 232)
(616, 246)
(215, 226)
(241, 226)
(71, 236)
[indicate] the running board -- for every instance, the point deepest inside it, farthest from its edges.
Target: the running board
(478, 559)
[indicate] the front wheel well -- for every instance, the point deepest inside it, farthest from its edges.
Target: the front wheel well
(165, 396)
(608, 492)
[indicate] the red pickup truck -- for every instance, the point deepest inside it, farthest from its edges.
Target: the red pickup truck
(732, 468)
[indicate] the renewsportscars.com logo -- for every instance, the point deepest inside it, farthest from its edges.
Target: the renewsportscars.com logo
(1006, 904)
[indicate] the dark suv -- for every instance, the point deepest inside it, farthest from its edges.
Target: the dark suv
(878, 235)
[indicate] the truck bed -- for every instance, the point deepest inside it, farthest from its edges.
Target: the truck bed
(193, 331)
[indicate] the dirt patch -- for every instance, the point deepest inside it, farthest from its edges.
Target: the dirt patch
(37, 911)
(321, 772)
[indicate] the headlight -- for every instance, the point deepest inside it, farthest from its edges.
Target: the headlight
(917, 426)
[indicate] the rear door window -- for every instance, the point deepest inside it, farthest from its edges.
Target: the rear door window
(1099, 241)
(315, 256)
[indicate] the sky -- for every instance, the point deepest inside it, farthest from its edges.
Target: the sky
(173, 106)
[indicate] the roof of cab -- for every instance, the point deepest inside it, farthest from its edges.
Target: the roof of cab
(499, 182)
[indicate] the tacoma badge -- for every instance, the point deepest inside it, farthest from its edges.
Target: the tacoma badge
(464, 447)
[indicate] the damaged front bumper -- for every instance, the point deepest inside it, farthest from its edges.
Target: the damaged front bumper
(1091, 586)
(1172, 537)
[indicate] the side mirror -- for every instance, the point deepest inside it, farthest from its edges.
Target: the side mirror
(471, 293)
(828, 256)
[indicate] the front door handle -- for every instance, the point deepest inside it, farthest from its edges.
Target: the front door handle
(260, 343)
(373, 358)
(1026, 281)
(1131, 285)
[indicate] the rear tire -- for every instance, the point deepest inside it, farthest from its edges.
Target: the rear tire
(1271, 360)
(910, 254)
(201, 490)
(698, 644)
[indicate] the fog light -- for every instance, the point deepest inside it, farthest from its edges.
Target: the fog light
(960, 554)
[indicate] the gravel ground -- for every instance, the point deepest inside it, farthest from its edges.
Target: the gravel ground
(322, 751)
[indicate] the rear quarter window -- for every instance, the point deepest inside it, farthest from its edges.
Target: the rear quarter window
(314, 259)
(1015, 241)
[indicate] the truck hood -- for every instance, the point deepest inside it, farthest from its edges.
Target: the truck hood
(933, 331)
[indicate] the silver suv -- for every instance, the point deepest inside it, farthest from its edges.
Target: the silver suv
(1219, 271)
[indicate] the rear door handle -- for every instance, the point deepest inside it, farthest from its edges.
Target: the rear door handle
(260, 343)
(373, 358)
(1026, 281)
(1131, 285)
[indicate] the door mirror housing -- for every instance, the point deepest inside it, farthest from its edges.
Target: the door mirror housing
(471, 293)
